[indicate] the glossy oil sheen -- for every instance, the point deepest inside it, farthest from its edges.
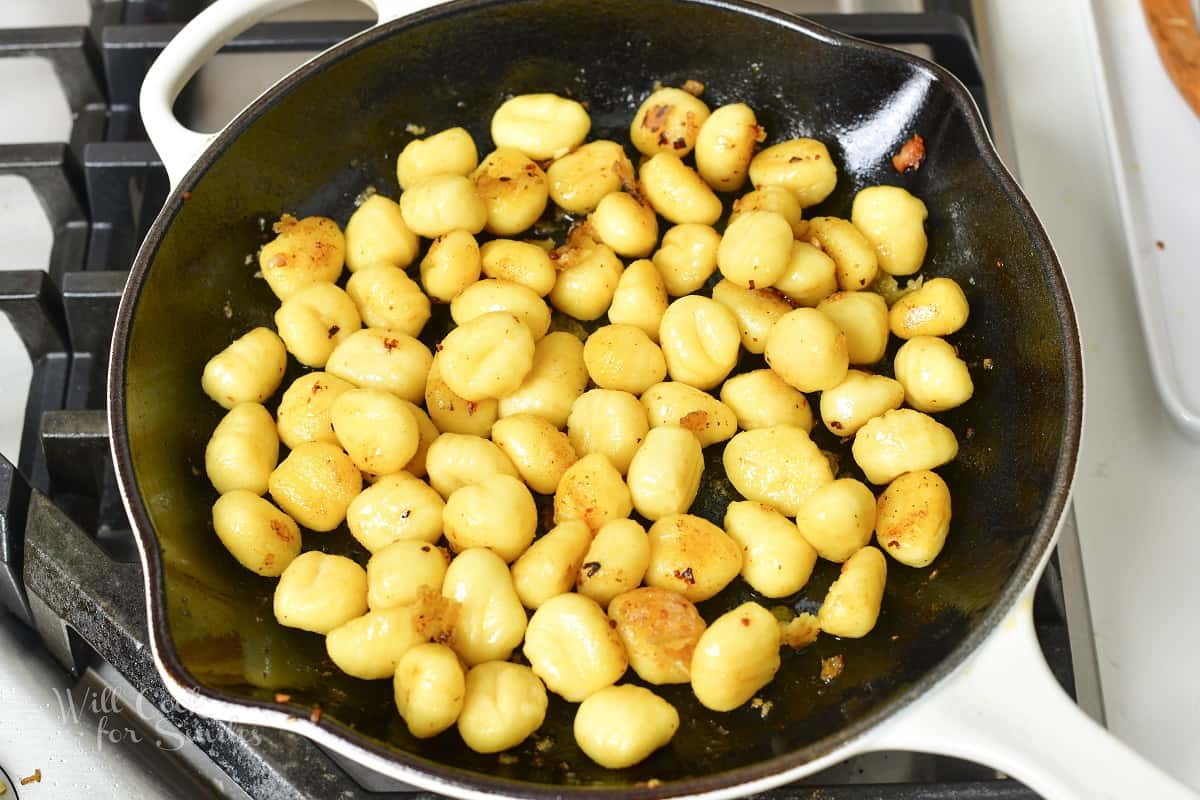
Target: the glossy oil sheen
(321, 140)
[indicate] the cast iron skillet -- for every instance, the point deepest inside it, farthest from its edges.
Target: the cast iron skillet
(332, 128)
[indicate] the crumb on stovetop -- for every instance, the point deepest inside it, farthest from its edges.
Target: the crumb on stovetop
(36, 777)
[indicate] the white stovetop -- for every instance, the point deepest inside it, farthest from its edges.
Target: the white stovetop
(1134, 491)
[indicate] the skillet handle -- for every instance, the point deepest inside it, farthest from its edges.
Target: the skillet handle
(1005, 709)
(178, 145)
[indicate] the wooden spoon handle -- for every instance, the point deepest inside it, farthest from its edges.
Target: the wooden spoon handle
(1176, 33)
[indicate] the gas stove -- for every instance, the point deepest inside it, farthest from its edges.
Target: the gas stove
(96, 719)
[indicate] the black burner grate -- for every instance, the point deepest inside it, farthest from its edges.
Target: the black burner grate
(67, 563)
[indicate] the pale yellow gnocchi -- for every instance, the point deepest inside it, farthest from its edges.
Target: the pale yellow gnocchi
(761, 399)
(243, 450)
(675, 403)
(619, 726)
(640, 299)
(664, 474)
(933, 376)
(541, 452)
(387, 298)
(779, 466)
(513, 190)
(609, 422)
(247, 371)
(582, 178)
(571, 647)
(318, 592)
(548, 568)
(378, 234)
(554, 382)
(624, 358)
(430, 689)
(398, 507)
(899, 441)
(592, 490)
(315, 485)
(660, 629)
(448, 152)
(490, 622)
(503, 704)
(262, 538)
(852, 604)
(776, 560)
(518, 262)
(616, 561)
(487, 356)
(314, 321)
(913, 518)
(497, 513)
(542, 126)
(397, 573)
(687, 257)
(668, 121)
(736, 656)
(699, 339)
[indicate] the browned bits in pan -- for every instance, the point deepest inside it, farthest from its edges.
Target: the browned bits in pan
(832, 667)
(911, 154)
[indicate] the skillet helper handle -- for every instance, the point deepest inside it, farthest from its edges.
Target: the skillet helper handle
(1005, 709)
(178, 145)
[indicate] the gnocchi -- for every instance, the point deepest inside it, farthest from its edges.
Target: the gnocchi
(808, 350)
(933, 376)
(492, 295)
(779, 466)
(585, 176)
(303, 252)
(497, 512)
(853, 257)
(452, 263)
(376, 429)
(619, 726)
(571, 647)
(938, 308)
(380, 358)
(913, 518)
(243, 450)
(548, 568)
(262, 538)
(837, 519)
(377, 233)
(502, 705)
(858, 399)
(725, 145)
(668, 121)
(691, 556)
(554, 382)
(802, 166)
(315, 485)
(518, 262)
(370, 647)
(540, 452)
(660, 629)
(863, 318)
(396, 573)
(762, 399)
(541, 126)
(319, 592)
(664, 474)
(902, 441)
(387, 298)
(439, 204)
(616, 561)
(395, 508)
(609, 422)
(448, 152)
(893, 221)
(736, 656)
(304, 409)
(247, 371)
(430, 689)
(513, 190)
(675, 403)
(756, 311)
(625, 224)
(623, 358)
(687, 257)
(592, 490)
(640, 299)
(503, 411)
(491, 620)
(755, 249)
(852, 604)
(776, 560)
(699, 339)
(676, 192)
(487, 356)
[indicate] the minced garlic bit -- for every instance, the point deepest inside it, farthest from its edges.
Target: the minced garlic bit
(415, 129)
(800, 631)
(693, 87)
(832, 667)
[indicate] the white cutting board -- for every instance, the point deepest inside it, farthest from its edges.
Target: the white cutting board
(1154, 144)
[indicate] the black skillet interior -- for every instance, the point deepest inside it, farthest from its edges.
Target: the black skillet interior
(323, 140)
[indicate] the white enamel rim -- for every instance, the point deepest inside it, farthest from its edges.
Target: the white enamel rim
(968, 713)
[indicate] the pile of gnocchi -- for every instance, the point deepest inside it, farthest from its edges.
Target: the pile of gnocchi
(432, 456)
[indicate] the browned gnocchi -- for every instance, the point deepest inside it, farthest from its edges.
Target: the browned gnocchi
(527, 474)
